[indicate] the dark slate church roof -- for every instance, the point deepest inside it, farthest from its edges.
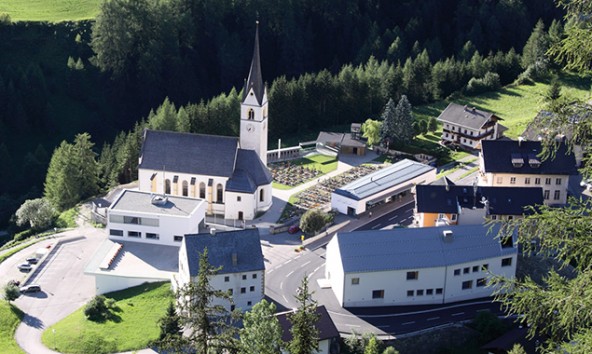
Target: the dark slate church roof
(208, 155)
(188, 153)
(464, 116)
(249, 173)
(502, 200)
(255, 80)
(504, 156)
(246, 244)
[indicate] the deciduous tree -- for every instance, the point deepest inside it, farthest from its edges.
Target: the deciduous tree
(371, 131)
(38, 213)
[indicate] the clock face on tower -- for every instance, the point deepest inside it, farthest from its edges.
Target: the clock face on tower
(250, 128)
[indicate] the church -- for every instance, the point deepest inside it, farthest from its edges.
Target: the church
(230, 174)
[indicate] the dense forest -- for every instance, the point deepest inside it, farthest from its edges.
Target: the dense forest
(326, 62)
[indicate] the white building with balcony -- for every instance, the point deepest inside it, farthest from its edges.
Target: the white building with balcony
(468, 126)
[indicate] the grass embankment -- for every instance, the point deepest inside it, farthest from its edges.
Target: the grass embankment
(10, 317)
(132, 326)
(322, 163)
(50, 10)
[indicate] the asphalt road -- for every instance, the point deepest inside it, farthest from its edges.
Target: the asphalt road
(402, 216)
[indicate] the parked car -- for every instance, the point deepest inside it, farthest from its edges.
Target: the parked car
(32, 260)
(33, 288)
(25, 267)
(293, 229)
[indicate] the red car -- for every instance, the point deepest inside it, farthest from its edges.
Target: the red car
(293, 229)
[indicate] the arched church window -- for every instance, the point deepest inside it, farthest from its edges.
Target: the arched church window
(219, 193)
(185, 188)
(202, 190)
(251, 114)
(167, 186)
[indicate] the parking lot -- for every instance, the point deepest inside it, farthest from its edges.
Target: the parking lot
(64, 286)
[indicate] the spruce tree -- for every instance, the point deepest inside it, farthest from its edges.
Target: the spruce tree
(305, 335)
(403, 122)
(387, 129)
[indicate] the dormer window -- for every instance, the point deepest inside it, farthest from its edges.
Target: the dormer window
(251, 114)
(517, 160)
(534, 161)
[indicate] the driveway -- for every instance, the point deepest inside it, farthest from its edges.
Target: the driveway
(65, 287)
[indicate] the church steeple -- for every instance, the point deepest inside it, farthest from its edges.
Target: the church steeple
(255, 81)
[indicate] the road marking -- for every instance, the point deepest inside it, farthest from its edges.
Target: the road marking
(302, 266)
(458, 314)
(433, 318)
(285, 299)
(376, 226)
(394, 217)
(407, 323)
(271, 270)
(292, 272)
(288, 261)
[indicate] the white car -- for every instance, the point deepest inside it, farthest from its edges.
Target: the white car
(25, 267)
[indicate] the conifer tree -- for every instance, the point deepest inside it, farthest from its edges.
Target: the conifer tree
(403, 121)
(305, 335)
(388, 129)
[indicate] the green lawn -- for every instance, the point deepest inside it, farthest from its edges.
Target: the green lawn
(516, 105)
(133, 326)
(50, 10)
(10, 317)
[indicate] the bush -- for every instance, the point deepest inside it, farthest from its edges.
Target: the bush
(67, 218)
(11, 292)
(23, 235)
(314, 220)
(489, 82)
(97, 310)
(489, 325)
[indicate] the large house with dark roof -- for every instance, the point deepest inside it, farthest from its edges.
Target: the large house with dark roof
(449, 204)
(238, 254)
(509, 163)
(228, 173)
(468, 126)
(417, 266)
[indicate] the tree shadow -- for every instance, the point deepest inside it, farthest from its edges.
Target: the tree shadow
(33, 321)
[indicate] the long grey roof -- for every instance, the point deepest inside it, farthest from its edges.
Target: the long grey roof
(250, 173)
(245, 244)
(396, 174)
(416, 248)
(502, 200)
(255, 80)
(342, 139)
(136, 201)
(499, 156)
(464, 116)
(188, 153)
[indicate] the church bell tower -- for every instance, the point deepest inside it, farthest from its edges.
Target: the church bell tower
(253, 123)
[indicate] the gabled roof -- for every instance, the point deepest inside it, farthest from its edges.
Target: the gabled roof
(341, 139)
(188, 153)
(499, 156)
(501, 200)
(415, 248)
(255, 80)
(221, 247)
(249, 173)
(388, 177)
(325, 325)
(468, 117)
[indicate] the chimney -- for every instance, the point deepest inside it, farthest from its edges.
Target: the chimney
(234, 259)
(474, 109)
(212, 231)
(520, 140)
(447, 234)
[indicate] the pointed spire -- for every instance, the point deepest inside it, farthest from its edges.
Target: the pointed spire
(255, 80)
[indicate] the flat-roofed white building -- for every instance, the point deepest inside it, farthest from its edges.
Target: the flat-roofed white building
(416, 266)
(144, 217)
(381, 186)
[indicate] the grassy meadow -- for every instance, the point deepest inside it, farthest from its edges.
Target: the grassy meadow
(134, 323)
(50, 10)
(516, 105)
(10, 318)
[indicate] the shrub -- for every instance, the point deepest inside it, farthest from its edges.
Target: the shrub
(11, 292)
(97, 309)
(489, 82)
(23, 235)
(67, 218)
(489, 325)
